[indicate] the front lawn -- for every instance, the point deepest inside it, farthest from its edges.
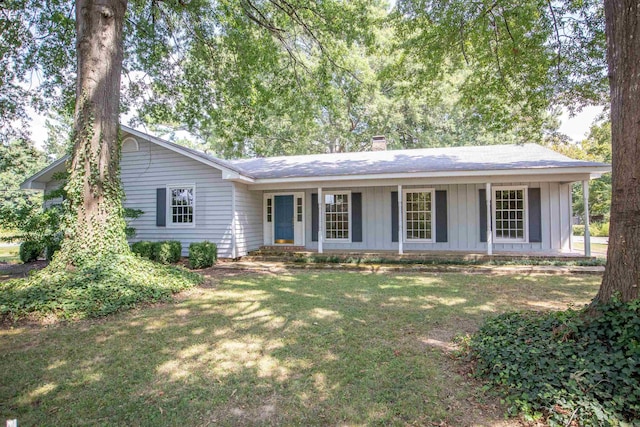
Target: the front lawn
(310, 348)
(9, 254)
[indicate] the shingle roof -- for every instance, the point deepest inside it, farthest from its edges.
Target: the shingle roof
(371, 163)
(454, 159)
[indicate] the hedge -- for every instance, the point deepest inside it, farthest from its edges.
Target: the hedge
(203, 254)
(164, 252)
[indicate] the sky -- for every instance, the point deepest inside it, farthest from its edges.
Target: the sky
(577, 127)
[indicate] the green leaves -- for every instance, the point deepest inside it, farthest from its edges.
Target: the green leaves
(520, 58)
(565, 363)
(106, 287)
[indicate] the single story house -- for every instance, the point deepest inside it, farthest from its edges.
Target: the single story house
(482, 199)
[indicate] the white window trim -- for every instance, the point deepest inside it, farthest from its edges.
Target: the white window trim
(324, 216)
(405, 230)
(169, 213)
(525, 216)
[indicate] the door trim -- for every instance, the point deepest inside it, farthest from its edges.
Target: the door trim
(299, 227)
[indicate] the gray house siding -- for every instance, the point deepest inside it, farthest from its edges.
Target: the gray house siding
(248, 221)
(462, 218)
(49, 187)
(153, 167)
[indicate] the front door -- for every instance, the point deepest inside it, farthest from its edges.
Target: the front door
(283, 220)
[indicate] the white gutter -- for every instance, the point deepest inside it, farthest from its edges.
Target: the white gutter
(593, 173)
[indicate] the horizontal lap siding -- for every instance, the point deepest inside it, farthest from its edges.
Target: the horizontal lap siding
(248, 219)
(49, 187)
(155, 167)
(462, 216)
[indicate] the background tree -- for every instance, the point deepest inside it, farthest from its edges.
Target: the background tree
(595, 147)
(372, 91)
(19, 159)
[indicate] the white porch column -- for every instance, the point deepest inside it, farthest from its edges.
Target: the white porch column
(489, 222)
(320, 220)
(234, 245)
(587, 234)
(400, 221)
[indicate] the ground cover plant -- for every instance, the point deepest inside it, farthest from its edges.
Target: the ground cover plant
(567, 366)
(302, 348)
(103, 289)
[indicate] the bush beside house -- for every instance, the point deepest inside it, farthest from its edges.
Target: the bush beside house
(30, 251)
(202, 255)
(164, 252)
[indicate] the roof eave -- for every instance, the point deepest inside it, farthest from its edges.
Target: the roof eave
(32, 182)
(593, 171)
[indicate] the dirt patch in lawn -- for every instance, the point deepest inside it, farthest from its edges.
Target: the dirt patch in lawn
(10, 271)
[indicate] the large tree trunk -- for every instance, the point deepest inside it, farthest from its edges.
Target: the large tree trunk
(622, 273)
(96, 229)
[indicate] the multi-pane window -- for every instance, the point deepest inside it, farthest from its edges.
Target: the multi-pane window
(181, 204)
(299, 209)
(510, 213)
(419, 214)
(269, 209)
(336, 208)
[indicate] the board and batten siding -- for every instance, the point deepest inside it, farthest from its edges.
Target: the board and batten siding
(248, 221)
(153, 167)
(463, 219)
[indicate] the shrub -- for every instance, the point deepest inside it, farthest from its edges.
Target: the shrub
(569, 366)
(30, 251)
(167, 252)
(597, 229)
(578, 230)
(52, 245)
(143, 248)
(203, 254)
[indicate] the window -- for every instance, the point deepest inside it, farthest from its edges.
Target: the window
(181, 205)
(510, 214)
(269, 209)
(337, 216)
(299, 209)
(419, 214)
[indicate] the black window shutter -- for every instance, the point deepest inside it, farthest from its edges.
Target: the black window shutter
(356, 217)
(483, 214)
(535, 215)
(441, 216)
(314, 217)
(161, 207)
(394, 216)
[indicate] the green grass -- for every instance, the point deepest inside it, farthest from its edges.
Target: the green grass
(597, 249)
(9, 254)
(310, 348)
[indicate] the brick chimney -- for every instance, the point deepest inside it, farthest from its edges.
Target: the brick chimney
(379, 143)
